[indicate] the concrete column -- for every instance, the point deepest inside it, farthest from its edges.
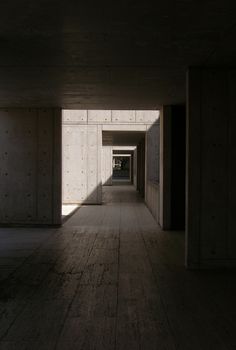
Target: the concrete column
(135, 168)
(165, 168)
(172, 167)
(132, 168)
(141, 167)
(30, 166)
(82, 149)
(152, 168)
(107, 165)
(211, 169)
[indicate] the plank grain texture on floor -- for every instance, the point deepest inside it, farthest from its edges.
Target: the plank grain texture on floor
(110, 279)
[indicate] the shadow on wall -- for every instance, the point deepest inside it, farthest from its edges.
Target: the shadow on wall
(178, 167)
(94, 196)
(172, 167)
(152, 193)
(69, 208)
(141, 155)
(108, 181)
(165, 169)
(148, 169)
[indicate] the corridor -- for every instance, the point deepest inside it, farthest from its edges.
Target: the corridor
(110, 279)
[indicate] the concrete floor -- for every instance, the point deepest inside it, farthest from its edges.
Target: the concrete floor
(68, 210)
(110, 279)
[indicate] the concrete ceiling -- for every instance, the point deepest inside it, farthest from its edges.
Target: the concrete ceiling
(109, 55)
(122, 138)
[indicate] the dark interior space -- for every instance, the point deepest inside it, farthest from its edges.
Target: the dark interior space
(131, 152)
(121, 168)
(141, 167)
(178, 167)
(124, 272)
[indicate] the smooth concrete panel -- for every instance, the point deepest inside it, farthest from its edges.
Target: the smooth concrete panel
(153, 153)
(165, 168)
(110, 116)
(79, 116)
(123, 148)
(74, 163)
(147, 117)
(141, 167)
(172, 167)
(30, 166)
(214, 166)
(135, 167)
(99, 116)
(57, 165)
(152, 169)
(94, 147)
(82, 163)
(211, 168)
(124, 127)
(152, 198)
(178, 167)
(123, 116)
(107, 165)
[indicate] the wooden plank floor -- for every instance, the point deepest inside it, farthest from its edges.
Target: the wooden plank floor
(110, 279)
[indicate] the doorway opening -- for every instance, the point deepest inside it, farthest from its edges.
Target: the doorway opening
(103, 148)
(121, 167)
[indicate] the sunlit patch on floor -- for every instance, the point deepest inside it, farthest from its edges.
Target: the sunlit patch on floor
(68, 209)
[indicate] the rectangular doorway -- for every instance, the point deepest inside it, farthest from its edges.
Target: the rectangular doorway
(121, 167)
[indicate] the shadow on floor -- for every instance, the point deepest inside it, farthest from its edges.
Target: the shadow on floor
(110, 279)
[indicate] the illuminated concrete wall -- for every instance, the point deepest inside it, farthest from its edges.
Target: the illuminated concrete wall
(107, 165)
(86, 163)
(81, 165)
(135, 168)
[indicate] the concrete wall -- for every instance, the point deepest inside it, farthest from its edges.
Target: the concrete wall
(152, 169)
(141, 167)
(135, 168)
(165, 168)
(30, 166)
(172, 167)
(107, 117)
(152, 196)
(211, 168)
(178, 167)
(153, 153)
(82, 149)
(132, 151)
(107, 165)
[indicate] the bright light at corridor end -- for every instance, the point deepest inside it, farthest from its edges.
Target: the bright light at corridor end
(86, 162)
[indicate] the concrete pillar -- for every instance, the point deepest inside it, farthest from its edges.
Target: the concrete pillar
(30, 167)
(165, 168)
(141, 167)
(81, 163)
(107, 165)
(135, 168)
(211, 169)
(172, 167)
(178, 167)
(132, 167)
(152, 168)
